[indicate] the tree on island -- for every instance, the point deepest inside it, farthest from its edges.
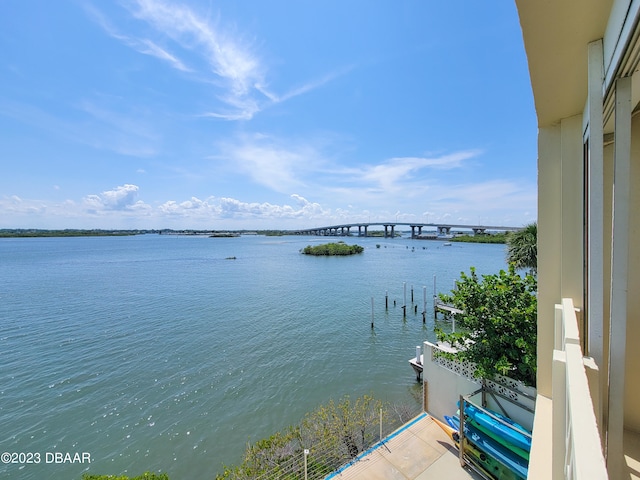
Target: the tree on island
(339, 248)
(497, 330)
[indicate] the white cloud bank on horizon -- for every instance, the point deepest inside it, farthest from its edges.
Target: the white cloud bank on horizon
(121, 208)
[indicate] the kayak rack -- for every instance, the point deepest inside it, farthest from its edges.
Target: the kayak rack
(465, 460)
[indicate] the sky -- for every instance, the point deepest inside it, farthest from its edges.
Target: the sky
(260, 114)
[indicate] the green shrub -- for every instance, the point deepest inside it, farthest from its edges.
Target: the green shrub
(339, 248)
(498, 329)
(144, 476)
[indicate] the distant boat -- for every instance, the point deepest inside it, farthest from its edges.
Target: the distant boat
(447, 244)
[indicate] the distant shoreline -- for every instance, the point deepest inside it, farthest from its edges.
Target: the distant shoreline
(35, 233)
(72, 232)
(45, 233)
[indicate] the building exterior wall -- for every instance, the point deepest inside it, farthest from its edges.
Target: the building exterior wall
(632, 381)
(572, 210)
(549, 248)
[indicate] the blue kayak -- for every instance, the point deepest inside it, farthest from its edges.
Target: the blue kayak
(489, 466)
(497, 430)
(509, 459)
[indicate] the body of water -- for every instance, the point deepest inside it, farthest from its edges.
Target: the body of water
(159, 353)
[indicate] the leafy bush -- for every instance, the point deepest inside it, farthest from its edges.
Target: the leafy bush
(334, 433)
(144, 476)
(482, 238)
(498, 326)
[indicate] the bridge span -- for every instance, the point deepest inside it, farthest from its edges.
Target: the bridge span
(344, 230)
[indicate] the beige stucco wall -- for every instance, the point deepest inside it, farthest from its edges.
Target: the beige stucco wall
(632, 369)
(572, 263)
(560, 226)
(549, 247)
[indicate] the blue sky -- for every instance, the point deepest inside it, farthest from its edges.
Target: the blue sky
(263, 114)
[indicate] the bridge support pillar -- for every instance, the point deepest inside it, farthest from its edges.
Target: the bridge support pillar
(386, 231)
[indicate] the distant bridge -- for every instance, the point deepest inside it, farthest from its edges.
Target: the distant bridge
(389, 229)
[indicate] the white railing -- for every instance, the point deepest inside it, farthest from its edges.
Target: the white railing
(577, 449)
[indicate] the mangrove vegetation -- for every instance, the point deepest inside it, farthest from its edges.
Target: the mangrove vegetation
(339, 248)
(332, 435)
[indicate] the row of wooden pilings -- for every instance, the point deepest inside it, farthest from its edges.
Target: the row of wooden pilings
(437, 305)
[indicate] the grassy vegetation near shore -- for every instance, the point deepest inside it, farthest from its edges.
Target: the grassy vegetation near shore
(333, 434)
(486, 238)
(144, 476)
(339, 248)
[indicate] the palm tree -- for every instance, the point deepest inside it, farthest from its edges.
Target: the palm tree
(522, 247)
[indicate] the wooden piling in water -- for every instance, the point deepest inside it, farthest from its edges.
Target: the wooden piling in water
(372, 313)
(424, 304)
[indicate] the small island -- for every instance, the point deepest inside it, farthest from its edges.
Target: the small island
(339, 248)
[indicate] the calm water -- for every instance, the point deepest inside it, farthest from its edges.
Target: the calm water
(157, 353)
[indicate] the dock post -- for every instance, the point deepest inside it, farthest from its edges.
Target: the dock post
(404, 302)
(411, 293)
(386, 300)
(424, 304)
(435, 299)
(372, 313)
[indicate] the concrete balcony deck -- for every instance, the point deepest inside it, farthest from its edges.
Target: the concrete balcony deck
(419, 450)
(632, 454)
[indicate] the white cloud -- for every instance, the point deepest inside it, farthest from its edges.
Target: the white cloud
(142, 45)
(496, 202)
(228, 58)
(239, 73)
(149, 48)
(278, 166)
(389, 174)
(120, 198)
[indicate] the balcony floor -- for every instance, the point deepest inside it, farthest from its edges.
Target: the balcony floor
(632, 453)
(418, 451)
